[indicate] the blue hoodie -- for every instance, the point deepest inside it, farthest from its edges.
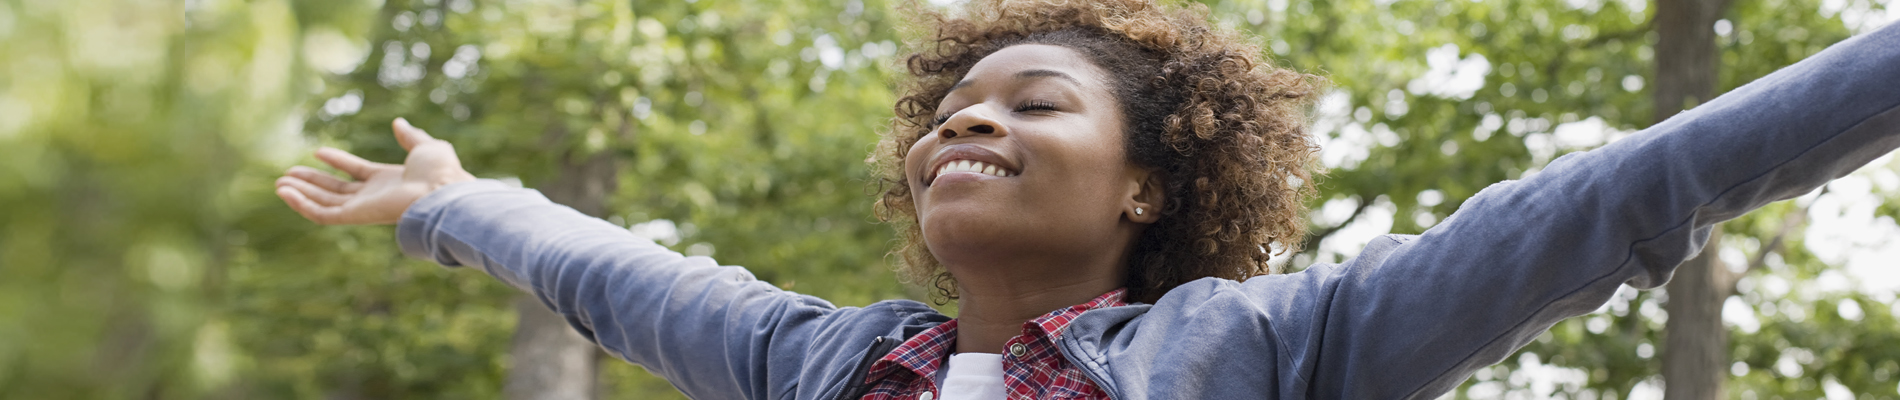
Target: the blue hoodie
(1410, 317)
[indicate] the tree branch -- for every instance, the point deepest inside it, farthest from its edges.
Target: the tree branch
(1313, 239)
(1557, 63)
(1789, 221)
(1632, 34)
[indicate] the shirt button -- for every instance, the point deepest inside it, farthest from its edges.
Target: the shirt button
(925, 396)
(1017, 349)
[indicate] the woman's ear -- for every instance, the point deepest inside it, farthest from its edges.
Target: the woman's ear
(1146, 194)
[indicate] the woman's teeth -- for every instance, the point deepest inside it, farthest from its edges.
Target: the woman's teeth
(972, 166)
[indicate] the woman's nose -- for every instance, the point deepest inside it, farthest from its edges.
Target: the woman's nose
(966, 122)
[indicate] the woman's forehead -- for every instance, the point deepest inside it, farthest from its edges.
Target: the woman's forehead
(1029, 61)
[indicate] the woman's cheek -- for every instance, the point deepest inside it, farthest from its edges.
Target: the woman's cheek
(912, 157)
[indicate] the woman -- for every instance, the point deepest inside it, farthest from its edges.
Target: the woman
(1098, 185)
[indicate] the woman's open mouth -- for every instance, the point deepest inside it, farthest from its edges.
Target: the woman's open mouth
(967, 159)
(973, 166)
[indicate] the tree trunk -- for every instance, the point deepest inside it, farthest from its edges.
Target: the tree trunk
(548, 360)
(1695, 348)
(1685, 54)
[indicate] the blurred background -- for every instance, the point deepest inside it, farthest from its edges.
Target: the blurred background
(143, 255)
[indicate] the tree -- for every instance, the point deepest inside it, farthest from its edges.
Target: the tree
(547, 359)
(1696, 348)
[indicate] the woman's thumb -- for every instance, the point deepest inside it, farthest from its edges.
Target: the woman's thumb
(409, 135)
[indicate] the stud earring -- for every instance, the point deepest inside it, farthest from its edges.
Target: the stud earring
(1137, 210)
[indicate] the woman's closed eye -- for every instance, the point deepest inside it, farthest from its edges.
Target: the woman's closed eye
(1031, 105)
(1036, 105)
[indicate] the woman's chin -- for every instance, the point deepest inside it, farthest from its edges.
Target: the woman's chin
(957, 230)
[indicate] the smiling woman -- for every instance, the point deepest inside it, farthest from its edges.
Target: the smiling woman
(1097, 185)
(1215, 133)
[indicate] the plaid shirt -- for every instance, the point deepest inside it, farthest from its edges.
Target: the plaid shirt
(1032, 369)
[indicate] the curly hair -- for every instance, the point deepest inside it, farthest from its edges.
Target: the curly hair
(1225, 129)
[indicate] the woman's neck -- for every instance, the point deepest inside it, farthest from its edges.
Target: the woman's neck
(990, 312)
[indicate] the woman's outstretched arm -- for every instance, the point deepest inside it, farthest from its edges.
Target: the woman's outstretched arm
(713, 331)
(1521, 256)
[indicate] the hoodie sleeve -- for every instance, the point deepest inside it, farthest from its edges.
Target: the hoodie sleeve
(713, 331)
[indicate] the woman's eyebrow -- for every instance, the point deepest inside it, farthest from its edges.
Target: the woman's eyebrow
(1025, 75)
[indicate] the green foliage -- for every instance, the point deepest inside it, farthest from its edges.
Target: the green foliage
(144, 255)
(124, 127)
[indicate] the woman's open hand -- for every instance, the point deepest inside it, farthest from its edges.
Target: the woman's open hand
(380, 192)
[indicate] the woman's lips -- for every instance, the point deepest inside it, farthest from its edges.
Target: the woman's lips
(969, 159)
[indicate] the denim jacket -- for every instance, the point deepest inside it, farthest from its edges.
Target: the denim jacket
(1410, 317)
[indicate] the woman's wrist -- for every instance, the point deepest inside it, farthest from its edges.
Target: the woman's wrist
(449, 179)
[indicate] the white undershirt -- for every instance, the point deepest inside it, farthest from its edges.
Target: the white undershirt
(971, 376)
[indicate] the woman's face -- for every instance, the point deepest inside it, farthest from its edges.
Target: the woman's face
(1027, 164)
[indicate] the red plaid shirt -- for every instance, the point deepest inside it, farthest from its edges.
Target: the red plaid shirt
(1032, 369)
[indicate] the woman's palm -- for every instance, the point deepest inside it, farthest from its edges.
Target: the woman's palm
(380, 192)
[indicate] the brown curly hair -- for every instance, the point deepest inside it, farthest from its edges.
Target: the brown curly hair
(1225, 129)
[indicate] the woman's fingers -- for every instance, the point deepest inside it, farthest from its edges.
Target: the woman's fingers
(313, 192)
(409, 135)
(323, 180)
(357, 167)
(310, 210)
